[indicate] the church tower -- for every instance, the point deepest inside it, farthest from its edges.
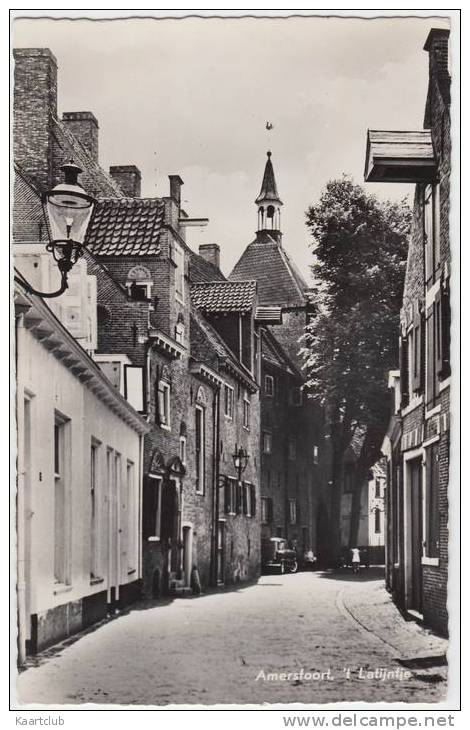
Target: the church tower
(269, 206)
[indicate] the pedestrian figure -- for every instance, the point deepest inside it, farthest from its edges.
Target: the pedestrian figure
(356, 559)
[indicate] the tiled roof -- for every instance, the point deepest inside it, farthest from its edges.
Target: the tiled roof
(279, 281)
(224, 296)
(202, 270)
(28, 214)
(126, 227)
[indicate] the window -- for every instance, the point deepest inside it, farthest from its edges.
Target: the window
(134, 386)
(246, 410)
(94, 511)
(183, 450)
(431, 232)
(131, 519)
(230, 487)
(61, 503)
(292, 511)
(292, 448)
(228, 401)
(200, 449)
(269, 385)
(432, 502)
(178, 259)
(179, 333)
(267, 442)
(266, 510)
(139, 291)
(164, 392)
(315, 454)
(377, 520)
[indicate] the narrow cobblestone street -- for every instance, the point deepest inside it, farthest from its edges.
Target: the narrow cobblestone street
(214, 649)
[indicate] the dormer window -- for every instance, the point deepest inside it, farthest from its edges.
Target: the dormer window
(139, 291)
(139, 283)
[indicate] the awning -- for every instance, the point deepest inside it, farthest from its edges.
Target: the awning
(399, 157)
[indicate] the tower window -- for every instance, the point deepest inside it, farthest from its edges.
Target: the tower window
(270, 211)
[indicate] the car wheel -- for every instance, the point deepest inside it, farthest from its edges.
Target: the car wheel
(293, 567)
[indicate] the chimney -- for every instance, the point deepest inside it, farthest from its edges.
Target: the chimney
(175, 188)
(211, 253)
(84, 127)
(437, 44)
(34, 108)
(128, 178)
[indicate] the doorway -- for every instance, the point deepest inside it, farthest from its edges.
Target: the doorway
(220, 552)
(415, 534)
(187, 554)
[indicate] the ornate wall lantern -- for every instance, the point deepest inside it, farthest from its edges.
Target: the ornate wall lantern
(240, 461)
(68, 209)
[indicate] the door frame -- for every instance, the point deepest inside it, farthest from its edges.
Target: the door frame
(189, 527)
(409, 456)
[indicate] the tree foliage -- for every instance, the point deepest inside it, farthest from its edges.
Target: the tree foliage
(360, 246)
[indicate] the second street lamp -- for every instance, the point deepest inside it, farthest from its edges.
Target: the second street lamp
(240, 461)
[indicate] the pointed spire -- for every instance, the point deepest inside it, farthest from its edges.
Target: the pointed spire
(268, 192)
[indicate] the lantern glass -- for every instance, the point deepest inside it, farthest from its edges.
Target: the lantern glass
(68, 213)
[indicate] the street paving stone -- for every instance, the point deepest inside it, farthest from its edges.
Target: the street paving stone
(214, 649)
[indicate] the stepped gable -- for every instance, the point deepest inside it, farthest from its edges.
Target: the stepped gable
(126, 227)
(279, 281)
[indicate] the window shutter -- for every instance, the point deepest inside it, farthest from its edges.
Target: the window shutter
(157, 398)
(417, 353)
(403, 356)
(270, 510)
(438, 332)
(297, 512)
(430, 364)
(149, 512)
(445, 316)
(253, 500)
(227, 495)
(238, 493)
(244, 498)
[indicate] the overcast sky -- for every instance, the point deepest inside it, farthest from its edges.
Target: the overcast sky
(192, 96)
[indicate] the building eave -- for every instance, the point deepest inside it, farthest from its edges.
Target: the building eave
(166, 345)
(53, 336)
(207, 374)
(400, 157)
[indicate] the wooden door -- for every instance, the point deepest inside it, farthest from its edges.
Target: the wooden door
(416, 503)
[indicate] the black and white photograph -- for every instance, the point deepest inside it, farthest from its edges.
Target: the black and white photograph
(235, 327)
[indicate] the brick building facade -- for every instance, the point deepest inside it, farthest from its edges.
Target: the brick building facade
(175, 364)
(418, 438)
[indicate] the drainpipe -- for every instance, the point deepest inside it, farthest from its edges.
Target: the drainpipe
(216, 476)
(20, 508)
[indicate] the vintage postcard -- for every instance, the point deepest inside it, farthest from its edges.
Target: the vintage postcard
(235, 313)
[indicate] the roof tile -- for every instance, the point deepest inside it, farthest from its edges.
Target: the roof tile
(126, 226)
(224, 296)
